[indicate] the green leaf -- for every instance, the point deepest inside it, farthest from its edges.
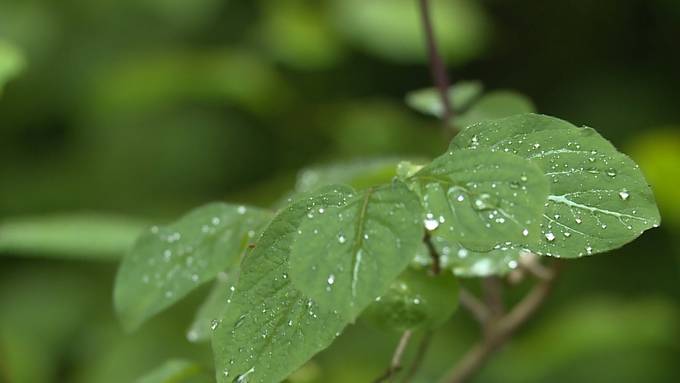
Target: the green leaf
(212, 308)
(168, 262)
(494, 105)
(599, 199)
(271, 328)
(360, 174)
(469, 263)
(73, 236)
(415, 301)
(345, 255)
(12, 62)
(176, 371)
(428, 101)
(482, 199)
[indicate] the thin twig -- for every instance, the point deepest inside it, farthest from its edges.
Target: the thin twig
(436, 264)
(420, 356)
(395, 364)
(437, 67)
(498, 332)
(476, 307)
(493, 296)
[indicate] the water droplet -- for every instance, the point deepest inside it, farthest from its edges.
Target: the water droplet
(611, 172)
(484, 201)
(341, 238)
(624, 195)
(512, 264)
(331, 279)
(321, 210)
(550, 236)
(567, 234)
(243, 378)
(214, 324)
(240, 321)
(578, 220)
(462, 253)
(460, 198)
(241, 209)
(430, 222)
(525, 232)
(589, 250)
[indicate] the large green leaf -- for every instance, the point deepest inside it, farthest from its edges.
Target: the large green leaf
(346, 255)
(167, 262)
(81, 236)
(599, 199)
(270, 328)
(482, 199)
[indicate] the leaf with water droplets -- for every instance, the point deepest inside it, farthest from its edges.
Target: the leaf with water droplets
(415, 301)
(271, 328)
(349, 254)
(599, 199)
(176, 371)
(211, 309)
(469, 263)
(358, 173)
(167, 262)
(481, 199)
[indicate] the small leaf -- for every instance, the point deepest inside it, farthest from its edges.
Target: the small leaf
(347, 254)
(599, 199)
(358, 173)
(494, 105)
(176, 371)
(428, 101)
(482, 199)
(70, 236)
(415, 301)
(271, 328)
(213, 307)
(167, 262)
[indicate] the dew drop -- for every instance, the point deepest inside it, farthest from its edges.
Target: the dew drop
(512, 264)
(214, 324)
(331, 279)
(624, 195)
(611, 172)
(550, 236)
(241, 209)
(525, 232)
(341, 238)
(431, 223)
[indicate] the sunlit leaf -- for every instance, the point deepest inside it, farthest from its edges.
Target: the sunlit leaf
(347, 254)
(599, 199)
(482, 199)
(271, 328)
(167, 262)
(12, 62)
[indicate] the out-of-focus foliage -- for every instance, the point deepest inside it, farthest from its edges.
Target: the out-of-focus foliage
(11, 62)
(141, 110)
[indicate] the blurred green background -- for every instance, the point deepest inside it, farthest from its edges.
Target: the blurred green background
(115, 114)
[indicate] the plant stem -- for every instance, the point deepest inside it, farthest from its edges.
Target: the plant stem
(498, 332)
(420, 356)
(395, 364)
(437, 67)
